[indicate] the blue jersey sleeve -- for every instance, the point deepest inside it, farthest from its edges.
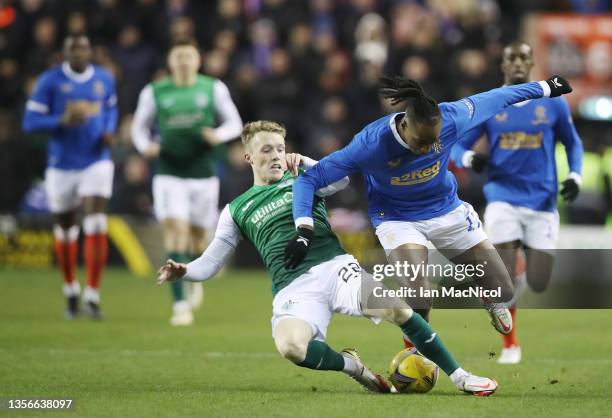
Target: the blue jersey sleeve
(110, 107)
(566, 131)
(327, 171)
(465, 143)
(473, 110)
(39, 114)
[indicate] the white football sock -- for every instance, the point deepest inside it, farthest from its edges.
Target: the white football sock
(351, 367)
(458, 376)
(91, 295)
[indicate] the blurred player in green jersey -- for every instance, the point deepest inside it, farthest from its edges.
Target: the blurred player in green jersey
(183, 109)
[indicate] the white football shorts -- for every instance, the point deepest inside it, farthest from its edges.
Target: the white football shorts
(536, 229)
(66, 188)
(330, 287)
(193, 200)
(457, 231)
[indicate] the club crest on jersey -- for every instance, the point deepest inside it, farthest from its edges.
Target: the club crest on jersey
(98, 88)
(501, 117)
(540, 116)
(66, 88)
(417, 176)
(394, 163)
(200, 100)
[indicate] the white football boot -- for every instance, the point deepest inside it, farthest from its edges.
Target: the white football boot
(477, 386)
(195, 294)
(510, 355)
(365, 377)
(181, 314)
(501, 318)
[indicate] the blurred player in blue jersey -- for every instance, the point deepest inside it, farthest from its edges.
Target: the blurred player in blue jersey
(521, 187)
(75, 103)
(412, 195)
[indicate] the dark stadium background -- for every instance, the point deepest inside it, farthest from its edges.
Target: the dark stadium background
(312, 65)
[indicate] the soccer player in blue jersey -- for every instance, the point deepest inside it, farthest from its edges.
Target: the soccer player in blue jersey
(412, 195)
(521, 186)
(76, 105)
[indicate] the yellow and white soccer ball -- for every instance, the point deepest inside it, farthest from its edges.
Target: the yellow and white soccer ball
(410, 372)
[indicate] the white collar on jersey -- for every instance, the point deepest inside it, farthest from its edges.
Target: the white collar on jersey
(78, 77)
(519, 104)
(396, 134)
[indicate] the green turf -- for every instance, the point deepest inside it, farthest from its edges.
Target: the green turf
(135, 364)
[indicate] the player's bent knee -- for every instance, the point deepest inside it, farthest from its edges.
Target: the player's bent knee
(400, 316)
(293, 349)
(397, 316)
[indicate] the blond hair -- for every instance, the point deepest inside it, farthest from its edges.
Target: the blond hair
(253, 128)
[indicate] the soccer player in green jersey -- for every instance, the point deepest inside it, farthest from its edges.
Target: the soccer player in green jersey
(328, 281)
(184, 109)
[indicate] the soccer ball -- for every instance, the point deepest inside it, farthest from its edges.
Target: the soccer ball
(410, 372)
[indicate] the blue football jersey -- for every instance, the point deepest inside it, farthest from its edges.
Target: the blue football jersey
(402, 185)
(521, 138)
(75, 147)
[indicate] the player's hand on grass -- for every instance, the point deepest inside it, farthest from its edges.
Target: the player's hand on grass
(298, 247)
(570, 190)
(558, 86)
(171, 272)
(293, 162)
(210, 136)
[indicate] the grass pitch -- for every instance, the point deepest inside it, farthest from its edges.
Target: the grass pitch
(135, 364)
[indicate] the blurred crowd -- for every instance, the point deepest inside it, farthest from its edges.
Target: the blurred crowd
(312, 65)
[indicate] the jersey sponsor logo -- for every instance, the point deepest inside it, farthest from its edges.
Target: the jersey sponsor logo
(394, 163)
(249, 203)
(184, 120)
(540, 116)
(501, 117)
(271, 209)
(520, 140)
(417, 176)
(91, 107)
(468, 103)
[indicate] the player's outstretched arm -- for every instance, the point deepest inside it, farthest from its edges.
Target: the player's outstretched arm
(566, 131)
(327, 172)
(462, 154)
(331, 169)
(226, 239)
(296, 161)
(472, 111)
(38, 116)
